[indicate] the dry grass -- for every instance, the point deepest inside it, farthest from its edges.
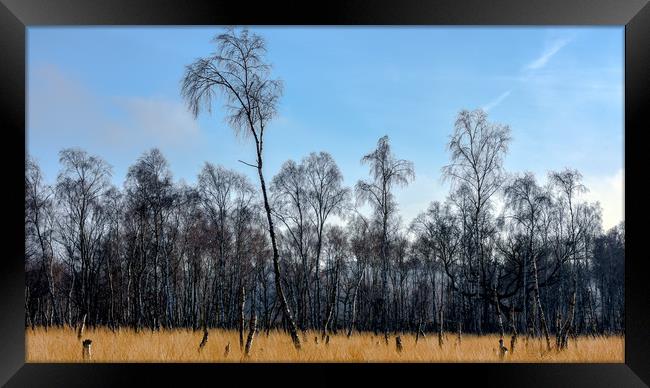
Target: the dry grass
(62, 345)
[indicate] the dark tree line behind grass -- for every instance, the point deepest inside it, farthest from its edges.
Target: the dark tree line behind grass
(156, 253)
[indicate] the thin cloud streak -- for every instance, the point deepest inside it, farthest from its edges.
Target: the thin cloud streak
(546, 56)
(537, 64)
(492, 104)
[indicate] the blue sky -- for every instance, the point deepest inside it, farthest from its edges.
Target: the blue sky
(115, 92)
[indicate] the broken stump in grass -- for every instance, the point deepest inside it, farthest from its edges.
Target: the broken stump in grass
(204, 340)
(86, 352)
(503, 351)
(227, 350)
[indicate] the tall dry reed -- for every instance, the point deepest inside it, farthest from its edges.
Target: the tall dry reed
(125, 345)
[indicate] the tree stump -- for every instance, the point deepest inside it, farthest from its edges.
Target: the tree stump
(227, 350)
(204, 340)
(86, 352)
(503, 351)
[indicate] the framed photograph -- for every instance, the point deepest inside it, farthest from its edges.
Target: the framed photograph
(368, 194)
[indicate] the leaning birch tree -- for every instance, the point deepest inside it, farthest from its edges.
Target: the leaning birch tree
(238, 72)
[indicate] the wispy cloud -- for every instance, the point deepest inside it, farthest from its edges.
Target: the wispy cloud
(61, 104)
(166, 122)
(553, 48)
(492, 104)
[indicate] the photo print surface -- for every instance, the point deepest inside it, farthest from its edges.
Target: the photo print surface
(324, 194)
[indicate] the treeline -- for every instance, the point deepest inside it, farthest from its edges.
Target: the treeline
(503, 253)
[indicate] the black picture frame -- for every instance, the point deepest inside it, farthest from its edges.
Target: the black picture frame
(17, 15)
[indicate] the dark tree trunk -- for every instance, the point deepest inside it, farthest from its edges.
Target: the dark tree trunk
(276, 261)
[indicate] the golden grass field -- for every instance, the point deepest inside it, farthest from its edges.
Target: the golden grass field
(125, 345)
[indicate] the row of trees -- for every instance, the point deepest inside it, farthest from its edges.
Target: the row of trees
(163, 254)
(302, 254)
